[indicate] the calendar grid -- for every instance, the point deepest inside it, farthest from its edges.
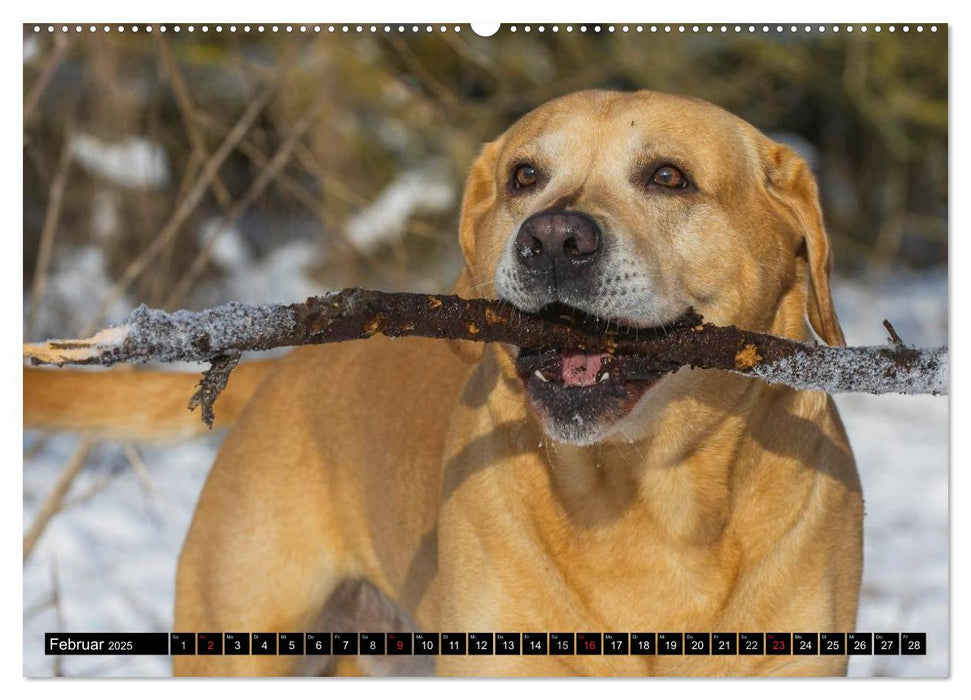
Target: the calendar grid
(489, 643)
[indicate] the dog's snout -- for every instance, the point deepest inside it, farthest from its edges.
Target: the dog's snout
(566, 241)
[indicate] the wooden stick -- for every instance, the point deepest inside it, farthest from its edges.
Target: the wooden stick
(220, 334)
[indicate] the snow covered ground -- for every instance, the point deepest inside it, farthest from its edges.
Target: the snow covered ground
(901, 448)
(112, 552)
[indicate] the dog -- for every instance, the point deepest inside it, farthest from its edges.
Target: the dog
(427, 485)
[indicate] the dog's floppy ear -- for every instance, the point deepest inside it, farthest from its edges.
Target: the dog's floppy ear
(479, 196)
(791, 183)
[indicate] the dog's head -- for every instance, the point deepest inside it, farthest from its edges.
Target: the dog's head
(633, 208)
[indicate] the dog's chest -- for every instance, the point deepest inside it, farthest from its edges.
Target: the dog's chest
(515, 556)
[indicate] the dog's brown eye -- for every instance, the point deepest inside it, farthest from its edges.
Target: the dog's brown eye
(525, 176)
(669, 176)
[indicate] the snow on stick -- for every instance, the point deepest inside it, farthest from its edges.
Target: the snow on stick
(220, 334)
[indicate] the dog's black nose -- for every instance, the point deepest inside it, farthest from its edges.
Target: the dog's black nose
(564, 241)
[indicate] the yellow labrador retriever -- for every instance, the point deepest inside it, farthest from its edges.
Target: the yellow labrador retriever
(419, 485)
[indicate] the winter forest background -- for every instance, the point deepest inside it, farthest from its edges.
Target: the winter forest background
(345, 154)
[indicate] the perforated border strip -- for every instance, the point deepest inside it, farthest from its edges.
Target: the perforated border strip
(513, 28)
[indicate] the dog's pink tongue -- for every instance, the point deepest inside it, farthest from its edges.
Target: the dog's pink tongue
(580, 369)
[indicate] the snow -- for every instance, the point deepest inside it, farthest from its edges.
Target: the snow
(868, 369)
(410, 193)
(114, 553)
(200, 335)
(105, 213)
(283, 274)
(31, 49)
(134, 162)
(901, 448)
(115, 549)
(65, 313)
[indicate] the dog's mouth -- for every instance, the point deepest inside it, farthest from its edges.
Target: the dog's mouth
(579, 395)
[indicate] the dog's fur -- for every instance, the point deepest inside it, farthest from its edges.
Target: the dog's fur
(412, 485)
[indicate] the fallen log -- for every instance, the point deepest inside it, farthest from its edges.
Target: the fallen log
(220, 334)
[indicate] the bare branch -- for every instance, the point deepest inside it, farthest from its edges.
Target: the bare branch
(51, 219)
(191, 201)
(55, 499)
(266, 175)
(61, 44)
(894, 338)
(213, 381)
(199, 153)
